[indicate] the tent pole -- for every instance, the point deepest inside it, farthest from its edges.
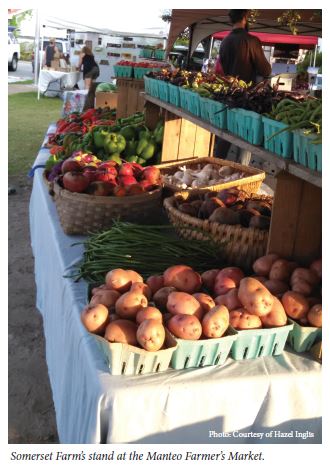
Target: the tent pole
(36, 48)
(211, 47)
(315, 51)
(189, 53)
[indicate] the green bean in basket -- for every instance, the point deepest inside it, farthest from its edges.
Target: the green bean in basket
(148, 249)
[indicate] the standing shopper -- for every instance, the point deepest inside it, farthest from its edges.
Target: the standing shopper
(241, 55)
(90, 68)
(51, 52)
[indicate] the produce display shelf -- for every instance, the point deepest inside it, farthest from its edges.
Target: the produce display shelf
(295, 169)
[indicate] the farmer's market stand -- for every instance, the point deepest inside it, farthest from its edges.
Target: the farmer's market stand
(92, 406)
(296, 228)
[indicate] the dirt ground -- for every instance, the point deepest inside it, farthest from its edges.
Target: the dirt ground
(31, 412)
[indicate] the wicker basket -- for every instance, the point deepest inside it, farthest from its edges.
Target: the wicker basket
(250, 184)
(82, 213)
(240, 246)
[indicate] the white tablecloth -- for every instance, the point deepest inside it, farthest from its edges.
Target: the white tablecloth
(65, 80)
(281, 393)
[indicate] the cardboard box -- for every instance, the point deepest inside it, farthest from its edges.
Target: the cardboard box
(105, 99)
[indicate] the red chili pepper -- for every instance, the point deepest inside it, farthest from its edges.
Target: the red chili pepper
(88, 114)
(56, 149)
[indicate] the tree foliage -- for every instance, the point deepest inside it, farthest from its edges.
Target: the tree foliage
(17, 19)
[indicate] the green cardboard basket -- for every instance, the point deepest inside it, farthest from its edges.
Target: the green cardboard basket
(302, 338)
(254, 343)
(305, 152)
(282, 144)
(203, 352)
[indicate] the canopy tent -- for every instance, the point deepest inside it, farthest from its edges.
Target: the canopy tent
(204, 23)
(303, 42)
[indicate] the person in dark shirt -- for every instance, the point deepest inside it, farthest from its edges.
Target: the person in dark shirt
(51, 52)
(241, 53)
(241, 56)
(90, 68)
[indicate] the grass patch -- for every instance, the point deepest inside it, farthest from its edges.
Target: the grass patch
(23, 82)
(28, 121)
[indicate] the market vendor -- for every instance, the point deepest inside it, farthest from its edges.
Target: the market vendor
(241, 55)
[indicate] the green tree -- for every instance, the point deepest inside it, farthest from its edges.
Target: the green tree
(17, 19)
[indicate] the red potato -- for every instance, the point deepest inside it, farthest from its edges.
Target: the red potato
(95, 290)
(281, 270)
(208, 278)
(129, 304)
(306, 275)
(295, 305)
(121, 331)
(185, 327)
(205, 301)
(183, 278)
(160, 297)
(215, 322)
(255, 297)
(227, 278)
(105, 297)
(276, 287)
(241, 319)
(316, 266)
(262, 265)
(314, 316)
(134, 276)
(118, 279)
(183, 303)
(151, 335)
(142, 288)
(302, 287)
(276, 317)
(155, 283)
(230, 300)
(149, 313)
(95, 318)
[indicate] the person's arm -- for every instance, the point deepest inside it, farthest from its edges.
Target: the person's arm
(82, 55)
(262, 66)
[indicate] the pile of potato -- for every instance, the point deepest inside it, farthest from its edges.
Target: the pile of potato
(192, 306)
(228, 206)
(119, 310)
(298, 288)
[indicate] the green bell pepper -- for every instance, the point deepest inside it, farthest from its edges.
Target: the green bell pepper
(99, 137)
(148, 150)
(158, 134)
(116, 158)
(132, 158)
(142, 144)
(128, 132)
(114, 143)
(130, 148)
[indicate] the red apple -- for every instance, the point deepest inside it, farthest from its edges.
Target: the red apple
(75, 181)
(119, 191)
(70, 165)
(152, 174)
(90, 172)
(108, 167)
(103, 175)
(126, 169)
(127, 180)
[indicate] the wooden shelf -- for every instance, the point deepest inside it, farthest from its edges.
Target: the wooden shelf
(287, 165)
